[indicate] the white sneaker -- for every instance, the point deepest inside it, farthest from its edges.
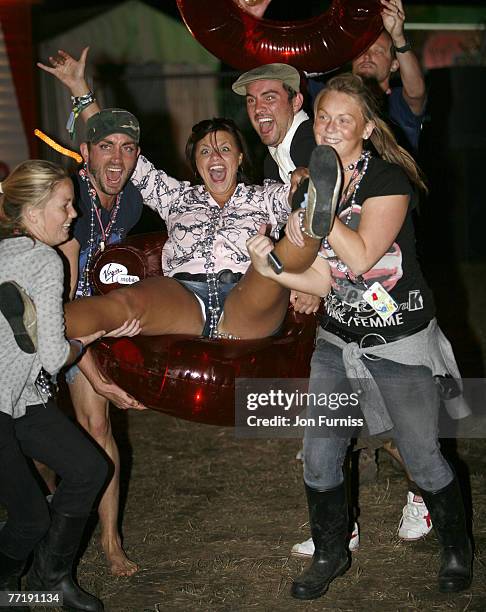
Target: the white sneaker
(306, 549)
(415, 522)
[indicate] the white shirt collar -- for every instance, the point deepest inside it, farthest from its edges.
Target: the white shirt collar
(281, 153)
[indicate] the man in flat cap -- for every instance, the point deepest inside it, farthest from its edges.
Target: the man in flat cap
(274, 105)
(108, 207)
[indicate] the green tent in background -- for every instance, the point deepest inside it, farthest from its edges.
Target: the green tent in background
(149, 63)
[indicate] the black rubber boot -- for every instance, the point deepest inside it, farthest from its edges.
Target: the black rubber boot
(52, 568)
(10, 572)
(447, 511)
(328, 517)
(323, 191)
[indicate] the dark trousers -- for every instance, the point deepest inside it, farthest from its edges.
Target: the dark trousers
(47, 435)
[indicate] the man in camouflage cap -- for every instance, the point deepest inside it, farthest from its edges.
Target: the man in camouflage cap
(112, 121)
(108, 206)
(111, 131)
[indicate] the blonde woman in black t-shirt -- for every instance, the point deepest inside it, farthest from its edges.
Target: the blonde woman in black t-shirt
(378, 339)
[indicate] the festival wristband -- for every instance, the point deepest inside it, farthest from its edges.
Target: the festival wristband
(79, 104)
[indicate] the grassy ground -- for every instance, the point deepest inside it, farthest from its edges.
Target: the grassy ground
(212, 519)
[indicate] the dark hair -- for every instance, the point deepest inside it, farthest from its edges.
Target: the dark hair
(30, 184)
(290, 91)
(219, 124)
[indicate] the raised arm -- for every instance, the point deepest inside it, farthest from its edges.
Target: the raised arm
(380, 221)
(411, 74)
(71, 73)
(158, 189)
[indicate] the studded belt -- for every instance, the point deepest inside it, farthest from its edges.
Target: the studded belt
(366, 340)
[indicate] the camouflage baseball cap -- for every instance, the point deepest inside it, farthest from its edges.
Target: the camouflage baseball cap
(112, 121)
(268, 72)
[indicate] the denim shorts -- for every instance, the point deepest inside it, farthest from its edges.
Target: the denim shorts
(201, 291)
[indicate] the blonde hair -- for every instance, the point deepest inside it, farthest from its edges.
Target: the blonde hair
(382, 137)
(30, 184)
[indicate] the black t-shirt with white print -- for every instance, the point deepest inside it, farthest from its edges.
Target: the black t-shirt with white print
(398, 270)
(131, 204)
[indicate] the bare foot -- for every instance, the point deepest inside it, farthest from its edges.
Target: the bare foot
(118, 562)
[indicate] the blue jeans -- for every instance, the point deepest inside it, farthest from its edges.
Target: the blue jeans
(413, 402)
(201, 290)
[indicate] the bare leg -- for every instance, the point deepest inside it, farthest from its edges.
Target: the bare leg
(162, 304)
(48, 475)
(256, 307)
(92, 412)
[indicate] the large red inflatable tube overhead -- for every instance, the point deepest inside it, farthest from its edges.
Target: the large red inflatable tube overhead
(319, 44)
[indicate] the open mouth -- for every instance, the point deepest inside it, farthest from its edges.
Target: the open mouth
(113, 175)
(217, 173)
(265, 124)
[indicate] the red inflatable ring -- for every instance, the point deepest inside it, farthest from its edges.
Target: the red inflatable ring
(190, 377)
(319, 44)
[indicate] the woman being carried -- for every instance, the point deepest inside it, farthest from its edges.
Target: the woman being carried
(379, 329)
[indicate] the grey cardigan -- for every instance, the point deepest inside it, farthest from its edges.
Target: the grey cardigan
(38, 269)
(428, 347)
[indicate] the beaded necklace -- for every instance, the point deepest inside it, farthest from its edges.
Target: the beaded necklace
(105, 231)
(351, 166)
(360, 168)
(214, 304)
